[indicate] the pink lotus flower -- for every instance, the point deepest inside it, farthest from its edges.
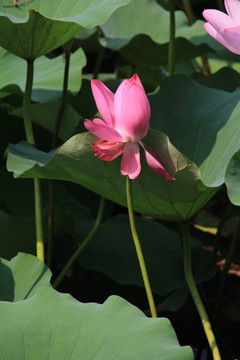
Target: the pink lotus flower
(125, 122)
(225, 28)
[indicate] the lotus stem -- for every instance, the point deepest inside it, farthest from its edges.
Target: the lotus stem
(184, 233)
(27, 103)
(139, 249)
(53, 145)
(31, 140)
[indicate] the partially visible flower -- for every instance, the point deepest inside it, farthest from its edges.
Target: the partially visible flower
(125, 122)
(225, 28)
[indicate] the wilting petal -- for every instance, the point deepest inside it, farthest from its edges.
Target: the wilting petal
(130, 164)
(104, 99)
(107, 150)
(218, 19)
(155, 163)
(233, 9)
(232, 38)
(132, 110)
(98, 128)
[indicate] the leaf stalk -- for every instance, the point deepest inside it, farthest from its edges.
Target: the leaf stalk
(31, 140)
(139, 249)
(53, 145)
(184, 233)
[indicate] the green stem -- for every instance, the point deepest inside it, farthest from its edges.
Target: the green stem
(206, 66)
(53, 145)
(39, 219)
(83, 245)
(31, 140)
(231, 251)
(171, 48)
(50, 222)
(184, 232)
(139, 249)
(27, 103)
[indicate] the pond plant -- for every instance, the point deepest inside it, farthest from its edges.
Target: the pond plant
(119, 195)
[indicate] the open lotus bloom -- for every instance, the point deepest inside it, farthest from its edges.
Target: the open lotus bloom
(125, 122)
(225, 28)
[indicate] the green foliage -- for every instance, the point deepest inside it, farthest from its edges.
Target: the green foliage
(115, 255)
(232, 179)
(75, 161)
(142, 50)
(203, 124)
(38, 326)
(45, 115)
(21, 277)
(194, 130)
(46, 26)
(148, 18)
(48, 73)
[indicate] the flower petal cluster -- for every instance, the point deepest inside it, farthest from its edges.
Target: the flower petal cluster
(125, 121)
(225, 28)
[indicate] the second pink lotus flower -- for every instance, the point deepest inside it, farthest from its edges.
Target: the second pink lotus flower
(125, 122)
(225, 28)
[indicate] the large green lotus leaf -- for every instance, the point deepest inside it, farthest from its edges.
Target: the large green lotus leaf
(112, 252)
(226, 79)
(48, 73)
(142, 50)
(20, 277)
(51, 325)
(147, 17)
(45, 115)
(37, 27)
(232, 179)
(75, 161)
(203, 124)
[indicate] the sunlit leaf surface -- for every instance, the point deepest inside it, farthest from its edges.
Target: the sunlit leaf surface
(113, 330)
(21, 277)
(75, 161)
(48, 73)
(148, 18)
(37, 27)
